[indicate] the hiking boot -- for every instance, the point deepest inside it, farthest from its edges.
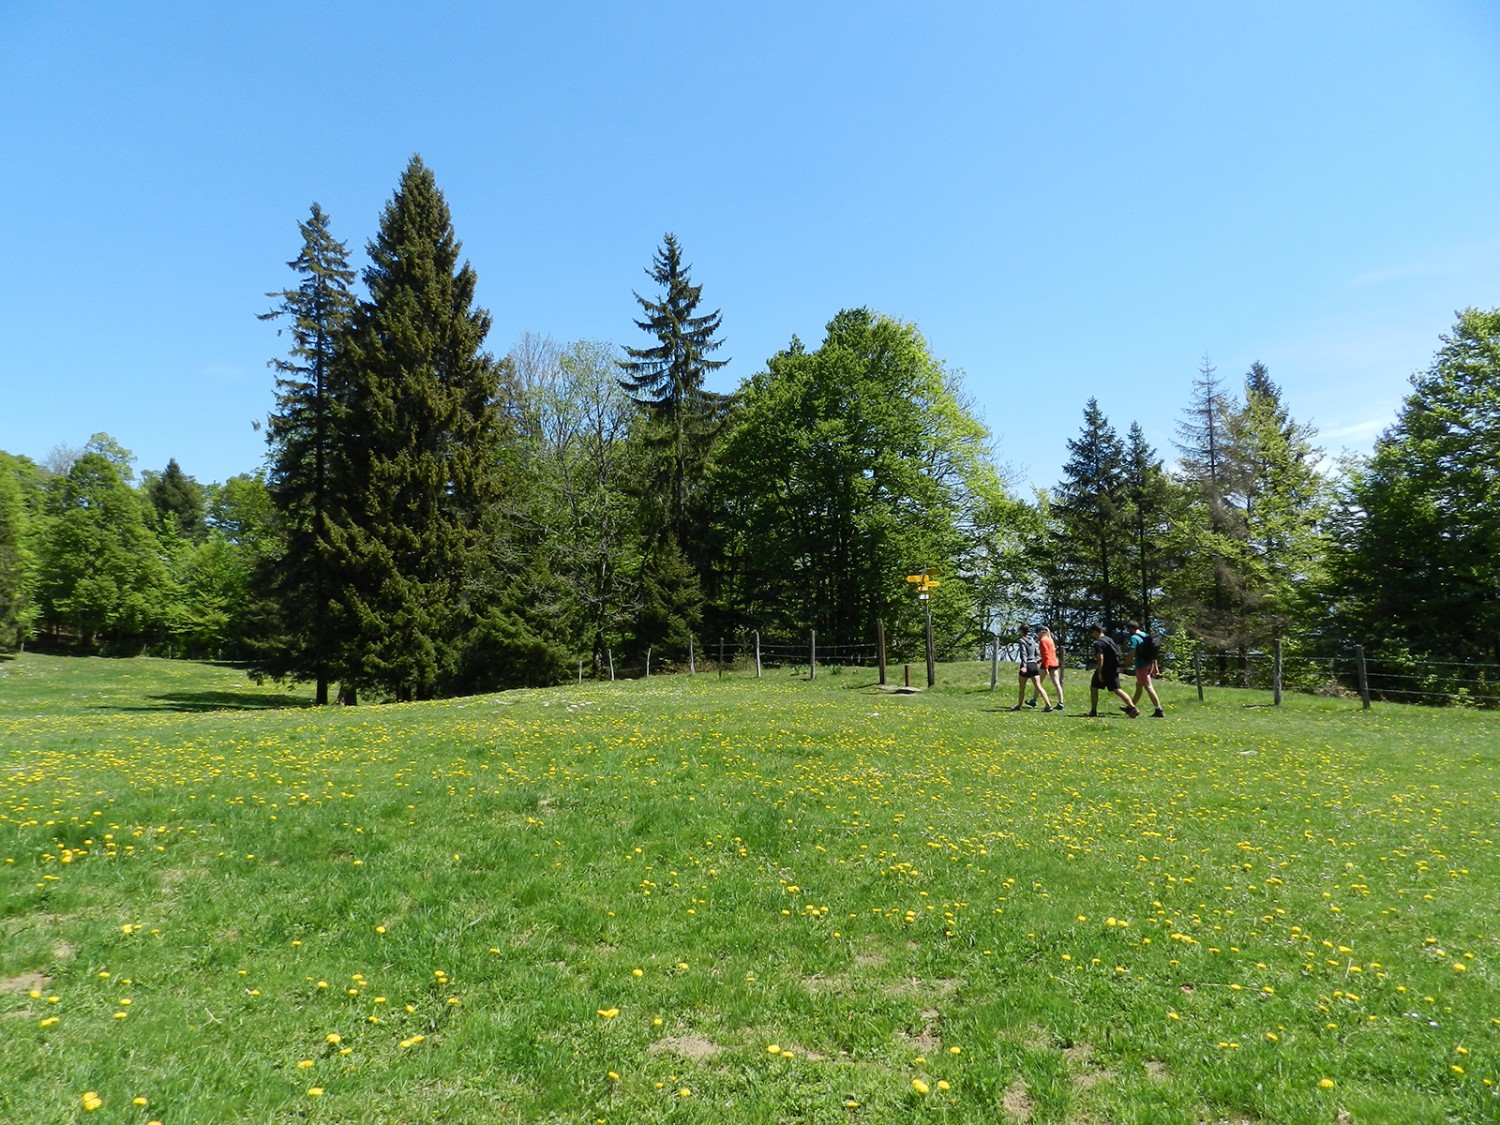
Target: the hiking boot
(1031, 703)
(1047, 709)
(1017, 707)
(1158, 714)
(1057, 707)
(1134, 713)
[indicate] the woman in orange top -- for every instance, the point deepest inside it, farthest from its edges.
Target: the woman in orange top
(1051, 666)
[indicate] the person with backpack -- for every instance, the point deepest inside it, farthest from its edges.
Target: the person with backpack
(1031, 668)
(1146, 649)
(1107, 673)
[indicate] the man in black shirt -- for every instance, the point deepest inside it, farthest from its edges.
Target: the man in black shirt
(1107, 673)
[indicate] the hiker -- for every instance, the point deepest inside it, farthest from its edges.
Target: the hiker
(1031, 668)
(1146, 650)
(1107, 673)
(1051, 666)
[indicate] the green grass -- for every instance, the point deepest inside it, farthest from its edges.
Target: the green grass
(1238, 914)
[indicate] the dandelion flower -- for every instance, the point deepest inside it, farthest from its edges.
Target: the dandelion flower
(609, 1013)
(919, 1086)
(1325, 1083)
(91, 1101)
(315, 1091)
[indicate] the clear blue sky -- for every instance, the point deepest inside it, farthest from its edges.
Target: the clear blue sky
(1070, 199)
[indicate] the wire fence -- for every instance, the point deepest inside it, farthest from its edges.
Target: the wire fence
(1355, 673)
(1391, 676)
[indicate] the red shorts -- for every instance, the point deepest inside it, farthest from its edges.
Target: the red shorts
(1143, 675)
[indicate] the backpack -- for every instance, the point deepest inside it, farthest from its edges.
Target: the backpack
(1148, 650)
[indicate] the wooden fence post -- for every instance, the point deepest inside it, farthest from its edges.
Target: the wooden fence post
(1276, 671)
(995, 661)
(757, 654)
(648, 661)
(812, 656)
(1198, 671)
(721, 658)
(610, 653)
(880, 645)
(692, 657)
(1364, 679)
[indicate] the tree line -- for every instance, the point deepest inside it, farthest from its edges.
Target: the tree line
(432, 519)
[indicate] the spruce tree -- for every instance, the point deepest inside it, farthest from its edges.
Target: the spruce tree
(666, 381)
(415, 462)
(1090, 529)
(173, 493)
(301, 435)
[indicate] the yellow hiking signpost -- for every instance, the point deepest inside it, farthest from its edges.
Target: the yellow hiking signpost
(925, 583)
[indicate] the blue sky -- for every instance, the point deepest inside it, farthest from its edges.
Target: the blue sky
(1069, 199)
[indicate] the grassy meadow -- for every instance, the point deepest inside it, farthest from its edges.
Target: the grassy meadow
(694, 899)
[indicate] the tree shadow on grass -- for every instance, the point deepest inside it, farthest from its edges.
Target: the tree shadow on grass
(214, 701)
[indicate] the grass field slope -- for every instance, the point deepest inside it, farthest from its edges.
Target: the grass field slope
(703, 899)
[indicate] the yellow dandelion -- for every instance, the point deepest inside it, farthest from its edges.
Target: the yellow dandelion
(333, 1037)
(609, 1013)
(1325, 1083)
(91, 1101)
(919, 1086)
(315, 1091)
(944, 1085)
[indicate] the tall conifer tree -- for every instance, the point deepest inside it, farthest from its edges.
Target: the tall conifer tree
(1090, 529)
(301, 435)
(415, 465)
(666, 381)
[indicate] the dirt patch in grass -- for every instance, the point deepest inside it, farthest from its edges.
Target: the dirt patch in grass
(1156, 1070)
(1017, 1102)
(24, 982)
(693, 1047)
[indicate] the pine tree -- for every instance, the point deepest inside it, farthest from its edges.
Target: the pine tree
(1090, 529)
(1204, 592)
(666, 381)
(1149, 504)
(1284, 505)
(416, 456)
(1418, 564)
(173, 493)
(301, 436)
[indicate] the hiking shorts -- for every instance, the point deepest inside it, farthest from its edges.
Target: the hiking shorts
(1107, 681)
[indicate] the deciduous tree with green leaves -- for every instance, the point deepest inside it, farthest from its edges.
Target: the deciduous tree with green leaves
(847, 469)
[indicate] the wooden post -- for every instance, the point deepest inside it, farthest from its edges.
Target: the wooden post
(880, 645)
(648, 661)
(931, 656)
(721, 658)
(610, 653)
(907, 668)
(1276, 671)
(692, 658)
(812, 656)
(757, 654)
(995, 661)
(1364, 679)
(580, 671)
(1198, 671)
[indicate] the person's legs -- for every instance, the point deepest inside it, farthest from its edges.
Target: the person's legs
(1055, 675)
(1130, 707)
(1041, 692)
